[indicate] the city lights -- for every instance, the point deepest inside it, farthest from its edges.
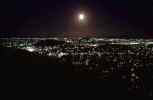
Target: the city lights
(122, 58)
(30, 49)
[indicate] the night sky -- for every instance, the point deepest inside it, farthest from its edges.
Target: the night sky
(105, 17)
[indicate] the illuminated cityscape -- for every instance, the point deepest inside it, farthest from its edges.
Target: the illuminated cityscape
(123, 59)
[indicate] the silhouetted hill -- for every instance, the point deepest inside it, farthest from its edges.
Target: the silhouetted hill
(23, 65)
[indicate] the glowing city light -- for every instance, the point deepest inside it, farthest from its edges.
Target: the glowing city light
(30, 49)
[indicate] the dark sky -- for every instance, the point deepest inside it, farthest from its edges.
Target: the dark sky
(105, 17)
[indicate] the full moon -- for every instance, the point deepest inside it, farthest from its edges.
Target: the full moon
(81, 17)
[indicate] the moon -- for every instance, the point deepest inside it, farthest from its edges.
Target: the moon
(81, 17)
